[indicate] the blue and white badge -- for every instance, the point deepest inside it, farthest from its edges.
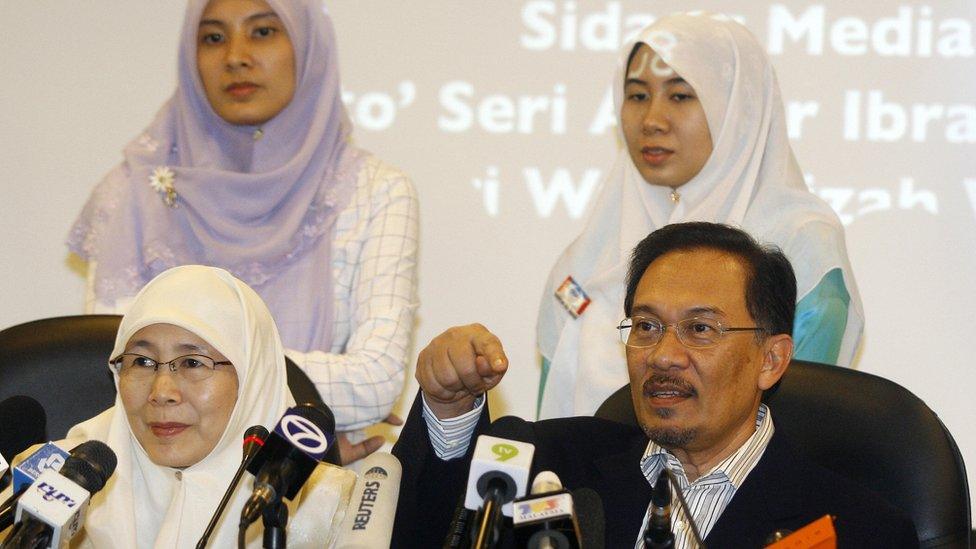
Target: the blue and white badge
(572, 296)
(49, 456)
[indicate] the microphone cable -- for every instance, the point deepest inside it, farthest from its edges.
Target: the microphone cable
(684, 505)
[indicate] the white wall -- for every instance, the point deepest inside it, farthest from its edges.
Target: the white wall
(82, 78)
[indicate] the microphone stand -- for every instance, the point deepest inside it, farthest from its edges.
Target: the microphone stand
(220, 507)
(684, 505)
(253, 440)
(487, 520)
(275, 518)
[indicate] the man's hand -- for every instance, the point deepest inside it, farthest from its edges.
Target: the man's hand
(349, 452)
(458, 366)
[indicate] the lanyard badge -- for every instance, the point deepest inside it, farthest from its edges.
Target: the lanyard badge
(572, 296)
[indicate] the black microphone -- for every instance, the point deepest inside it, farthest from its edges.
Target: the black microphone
(254, 439)
(457, 533)
(657, 534)
(300, 440)
(673, 480)
(22, 423)
(590, 517)
(52, 510)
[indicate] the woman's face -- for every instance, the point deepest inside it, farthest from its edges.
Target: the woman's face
(176, 420)
(663, 122)
(246, 61)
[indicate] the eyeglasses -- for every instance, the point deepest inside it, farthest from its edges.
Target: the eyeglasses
(694, 332)
(142, 368)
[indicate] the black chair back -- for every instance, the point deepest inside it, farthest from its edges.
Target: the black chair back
(62, 363)
(872, 431)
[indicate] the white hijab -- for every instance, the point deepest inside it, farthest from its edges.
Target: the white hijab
(146, 505)
(751, 180)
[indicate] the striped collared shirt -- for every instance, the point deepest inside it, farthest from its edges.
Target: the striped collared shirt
(711, 493)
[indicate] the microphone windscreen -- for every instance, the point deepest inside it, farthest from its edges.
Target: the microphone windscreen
(369, 518)
(90, 465)
(661, 493)
(254, 439)
(546, 481)
(590, 517)
(22, 424)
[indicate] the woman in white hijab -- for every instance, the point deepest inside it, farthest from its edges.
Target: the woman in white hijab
(177, 428)
(703, 121)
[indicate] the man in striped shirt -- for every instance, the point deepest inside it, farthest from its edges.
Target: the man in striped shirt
(708, 319)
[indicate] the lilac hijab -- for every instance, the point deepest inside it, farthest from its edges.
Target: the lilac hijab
(263, 208)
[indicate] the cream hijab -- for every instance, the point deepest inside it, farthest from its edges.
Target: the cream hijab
(147, 505)
(751, 180)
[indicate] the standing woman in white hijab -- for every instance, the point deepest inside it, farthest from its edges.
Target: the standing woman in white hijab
(704, 127)
(248, 167)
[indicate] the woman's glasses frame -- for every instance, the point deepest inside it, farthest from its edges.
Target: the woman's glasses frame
(192, 367)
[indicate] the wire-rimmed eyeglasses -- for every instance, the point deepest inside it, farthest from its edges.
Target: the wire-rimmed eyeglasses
(695, 332)
(142, 368)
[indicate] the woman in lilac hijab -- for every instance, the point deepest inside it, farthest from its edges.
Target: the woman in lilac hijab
(248, 167)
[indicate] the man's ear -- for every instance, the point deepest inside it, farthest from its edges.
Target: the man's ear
(777, 353)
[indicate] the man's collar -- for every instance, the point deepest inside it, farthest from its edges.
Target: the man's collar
(733, 468)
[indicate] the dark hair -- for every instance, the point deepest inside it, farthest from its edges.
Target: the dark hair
(770, 286)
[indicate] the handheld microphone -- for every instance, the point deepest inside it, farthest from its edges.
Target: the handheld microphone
(23, 422)
(49, 456)
(254, 439)
(52, 510)
(291, 452)
(457, 532)
(658, 492)
(546, 519)
(658, 533)
(590, 517)
(499, 473)
(375, 495)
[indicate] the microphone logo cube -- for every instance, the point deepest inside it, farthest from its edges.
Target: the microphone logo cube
(49, 456)
(303, 434)
(543, 508)
(55, 501)
(499, 459)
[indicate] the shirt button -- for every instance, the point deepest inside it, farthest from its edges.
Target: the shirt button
(179, 475)
(679, 525)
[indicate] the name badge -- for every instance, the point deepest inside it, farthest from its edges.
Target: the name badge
(572, 296)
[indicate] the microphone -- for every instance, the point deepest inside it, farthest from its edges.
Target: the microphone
(658, 533)
(377, 491)
(291, 452)
(590, 517)
(458, 530)
(658, 492)
(254, 439)
(499, 473)
(546, 519)
(49, 456)
(52, 510)
(24, 424)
